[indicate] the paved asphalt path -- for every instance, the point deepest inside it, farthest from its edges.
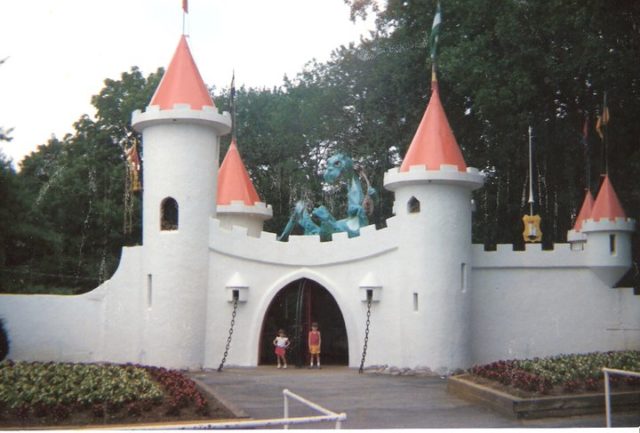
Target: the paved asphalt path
(370, 400)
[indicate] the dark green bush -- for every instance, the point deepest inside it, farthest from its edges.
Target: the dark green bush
(4, 341)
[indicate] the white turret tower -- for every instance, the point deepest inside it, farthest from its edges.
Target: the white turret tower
(180, 132)
(238, 200)
(433, 204)
(608, 233)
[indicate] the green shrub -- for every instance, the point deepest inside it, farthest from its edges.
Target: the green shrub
(4, 341)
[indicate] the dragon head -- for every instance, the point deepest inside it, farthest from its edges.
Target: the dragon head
(336, 166)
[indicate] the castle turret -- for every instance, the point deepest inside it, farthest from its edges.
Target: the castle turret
(180, 133)
(238, 200)
(608, 232)
(433, 206)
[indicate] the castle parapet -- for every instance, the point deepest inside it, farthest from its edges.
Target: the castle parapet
(182, 113)
(419, 174)
(300, 250)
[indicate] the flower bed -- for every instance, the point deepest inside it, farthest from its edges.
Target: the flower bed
(52, 393)
(562, 373)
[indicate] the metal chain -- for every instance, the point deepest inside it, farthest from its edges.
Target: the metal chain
(366, 336)
(233, 322)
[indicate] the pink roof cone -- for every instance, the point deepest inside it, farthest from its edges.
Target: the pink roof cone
(607, 204)
(434, 143)
(182, 83)
(585, 211)
(234, 183)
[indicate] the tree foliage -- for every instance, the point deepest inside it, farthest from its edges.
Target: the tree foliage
(70, 230)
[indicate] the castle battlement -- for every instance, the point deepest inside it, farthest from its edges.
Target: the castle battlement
(258, 210)
(206, 115)
(606, 225)
(300, 250)
(561, 256)
(472, 177)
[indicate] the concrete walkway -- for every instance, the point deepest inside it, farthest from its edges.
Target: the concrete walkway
(369, 400)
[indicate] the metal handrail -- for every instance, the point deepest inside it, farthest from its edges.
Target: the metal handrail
(286, 421)
(330, 415)
(607, 390)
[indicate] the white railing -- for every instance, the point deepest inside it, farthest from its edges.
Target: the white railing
(286, 421)
(607, 390)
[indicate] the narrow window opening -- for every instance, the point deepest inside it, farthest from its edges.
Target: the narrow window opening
(463, 277)
(413, 205)
(149, 290)
(169, 214)
(612, 244)
(415, 302)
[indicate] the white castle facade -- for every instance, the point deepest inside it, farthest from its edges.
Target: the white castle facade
(436, 300)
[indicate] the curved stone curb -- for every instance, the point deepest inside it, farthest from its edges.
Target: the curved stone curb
(543, 406)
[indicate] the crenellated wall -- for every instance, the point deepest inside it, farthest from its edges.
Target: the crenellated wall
(519, 303)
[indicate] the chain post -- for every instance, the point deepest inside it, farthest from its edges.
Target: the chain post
(233, 322)
(366, 336)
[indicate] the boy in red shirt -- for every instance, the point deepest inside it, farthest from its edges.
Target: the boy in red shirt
(314, 341)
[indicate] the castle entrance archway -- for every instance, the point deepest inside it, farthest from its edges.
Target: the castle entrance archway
(294, 308)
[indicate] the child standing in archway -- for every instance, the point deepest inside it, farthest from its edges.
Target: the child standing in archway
(281, 342)
(314, 341)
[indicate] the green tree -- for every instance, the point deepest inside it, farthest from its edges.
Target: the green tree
(509, 64)
(72, 227)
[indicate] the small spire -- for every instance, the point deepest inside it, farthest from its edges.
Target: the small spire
(607, 205)
(585, 211)
(434, 143)
(182, 83)
(234, 183)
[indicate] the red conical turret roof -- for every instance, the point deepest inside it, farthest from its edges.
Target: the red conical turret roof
(233, 180)
(434, 143)
(182, 83)
(585, 211)
(607, 204)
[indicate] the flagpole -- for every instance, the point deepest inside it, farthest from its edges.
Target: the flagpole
(530, 172)
(605, 120)
(233, 105)
(433, 42)
(185, 11)
(587, 159)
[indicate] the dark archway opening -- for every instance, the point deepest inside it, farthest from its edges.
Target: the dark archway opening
(293, 309)
(169, 214)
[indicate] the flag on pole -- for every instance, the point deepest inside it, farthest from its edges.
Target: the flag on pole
(605, 110)
(133, 165)
(233, 86)
(585, 130)
(603, 118)
(185, 6)
(435, 32)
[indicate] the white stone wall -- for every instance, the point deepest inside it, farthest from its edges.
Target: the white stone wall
(523, 312)
(100, 325)
(266, 266)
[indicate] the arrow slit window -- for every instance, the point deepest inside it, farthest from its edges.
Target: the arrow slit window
(612, 244)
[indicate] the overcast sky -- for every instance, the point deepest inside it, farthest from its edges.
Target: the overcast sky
(60, 51)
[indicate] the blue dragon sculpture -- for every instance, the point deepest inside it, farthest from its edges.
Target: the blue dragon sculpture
(359, 204)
